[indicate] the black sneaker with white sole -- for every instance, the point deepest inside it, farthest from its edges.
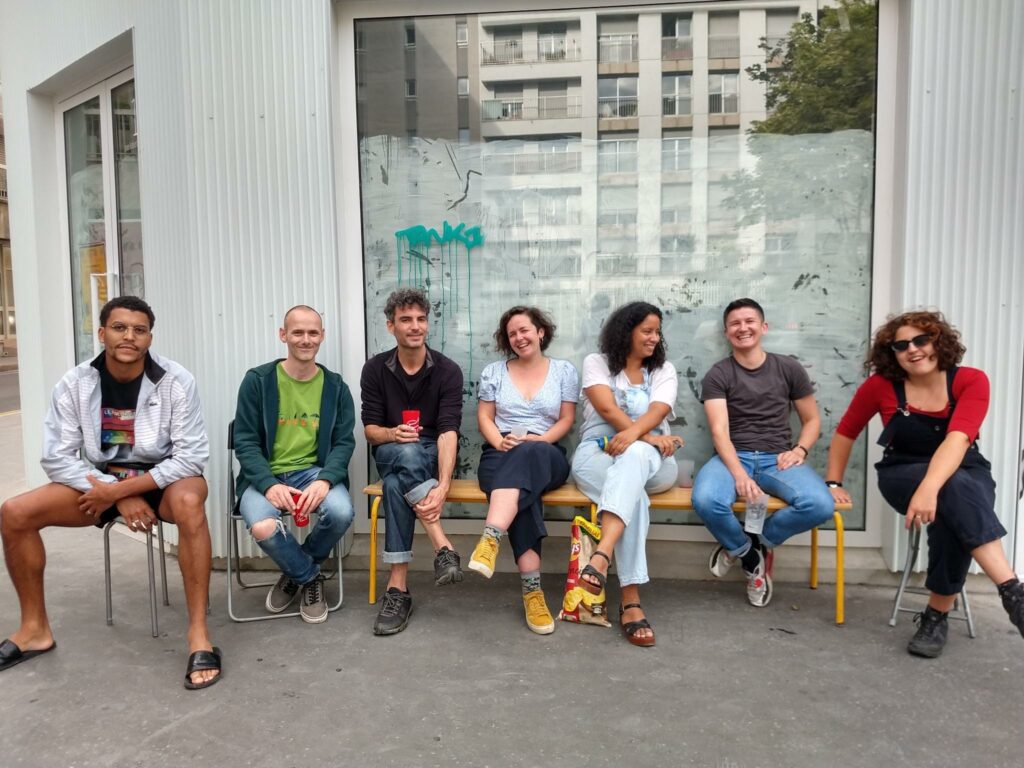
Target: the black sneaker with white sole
(282, 594)
(313, 605)
(395, 610)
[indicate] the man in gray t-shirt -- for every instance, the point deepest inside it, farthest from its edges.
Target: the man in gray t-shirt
(748, 398)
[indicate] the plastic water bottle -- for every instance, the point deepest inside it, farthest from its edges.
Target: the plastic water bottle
(757, 510)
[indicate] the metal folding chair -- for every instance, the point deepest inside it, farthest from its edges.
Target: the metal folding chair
(152, 571)
(234, 566)
(961, 607)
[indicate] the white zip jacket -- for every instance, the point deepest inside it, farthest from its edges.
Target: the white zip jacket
(169, 428)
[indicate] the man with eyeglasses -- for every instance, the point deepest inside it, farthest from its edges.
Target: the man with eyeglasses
(748, 397)
(124, 436)
(294, 438)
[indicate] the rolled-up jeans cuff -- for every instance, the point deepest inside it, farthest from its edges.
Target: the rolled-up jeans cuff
(397, 558)
(633, 580)
(418, 493)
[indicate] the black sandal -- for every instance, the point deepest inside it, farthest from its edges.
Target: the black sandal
(589, 570)
(199, 661)
(630, 628)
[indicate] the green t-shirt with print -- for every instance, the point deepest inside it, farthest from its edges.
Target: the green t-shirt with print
(298, 420)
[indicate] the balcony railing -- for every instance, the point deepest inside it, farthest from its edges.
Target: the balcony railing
(676, 105)
(617, 106)
(616, 162)
(723, 46)
(559, 218)
(617, 48)
(3, 183)
(522, 163)
(727, 104)
(623, 218)
(676, 48)
(514, 52)
(543, 108)
(675, 161)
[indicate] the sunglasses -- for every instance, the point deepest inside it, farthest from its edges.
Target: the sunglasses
(919, 342)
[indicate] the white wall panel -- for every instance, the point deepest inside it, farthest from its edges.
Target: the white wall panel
(236, 179)
(964, 238)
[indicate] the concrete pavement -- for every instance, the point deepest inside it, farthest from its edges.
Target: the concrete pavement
(728, 685)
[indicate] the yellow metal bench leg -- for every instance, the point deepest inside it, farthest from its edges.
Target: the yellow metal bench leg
(373, 549)
(814, 558)
(840, 575)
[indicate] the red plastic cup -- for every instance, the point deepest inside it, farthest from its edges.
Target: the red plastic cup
(301, 517)
(411, 419)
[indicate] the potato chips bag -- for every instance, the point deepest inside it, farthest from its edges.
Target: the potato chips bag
(578, 605)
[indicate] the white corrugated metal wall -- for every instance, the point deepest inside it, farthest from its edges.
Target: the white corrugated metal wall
(964, 237)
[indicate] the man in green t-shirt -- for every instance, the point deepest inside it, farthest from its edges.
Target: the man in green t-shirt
(293, 439)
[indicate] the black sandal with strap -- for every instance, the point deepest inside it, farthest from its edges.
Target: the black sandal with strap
(589, 570)
(630, 628)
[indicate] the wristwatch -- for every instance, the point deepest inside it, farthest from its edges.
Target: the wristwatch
(833, 484)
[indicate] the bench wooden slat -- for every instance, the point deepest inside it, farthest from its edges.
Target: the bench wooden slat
(468, 492)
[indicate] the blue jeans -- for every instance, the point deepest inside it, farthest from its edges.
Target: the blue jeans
(620, 485)
(402, 466)
(714, 493)
(300, 562)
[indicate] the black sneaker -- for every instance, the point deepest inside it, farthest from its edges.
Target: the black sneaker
(395, 610)
(282, 594)
(313, 606)
(1013, 602)
(930, 638)
(446, 567)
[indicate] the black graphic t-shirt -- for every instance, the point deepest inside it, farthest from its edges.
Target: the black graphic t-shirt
(117, 412)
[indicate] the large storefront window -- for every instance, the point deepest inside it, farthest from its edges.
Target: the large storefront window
(688, 205)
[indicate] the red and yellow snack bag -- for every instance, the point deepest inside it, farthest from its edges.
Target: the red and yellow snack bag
(578, 605)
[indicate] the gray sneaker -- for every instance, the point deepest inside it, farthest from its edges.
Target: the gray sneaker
(282, 594)
(447, 567)
(313, 606)
(395, 610)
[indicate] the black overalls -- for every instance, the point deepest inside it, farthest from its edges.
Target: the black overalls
(965, 517)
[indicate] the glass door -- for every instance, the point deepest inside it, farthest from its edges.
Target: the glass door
(104, 214)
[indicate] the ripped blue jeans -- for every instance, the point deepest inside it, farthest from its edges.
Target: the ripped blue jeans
(300, 562)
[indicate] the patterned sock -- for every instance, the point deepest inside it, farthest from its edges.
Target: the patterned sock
(531, 581)
(494, 533)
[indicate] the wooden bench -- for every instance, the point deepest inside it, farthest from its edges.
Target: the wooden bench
(468, 492)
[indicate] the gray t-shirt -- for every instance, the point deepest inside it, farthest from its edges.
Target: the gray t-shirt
(758, 400)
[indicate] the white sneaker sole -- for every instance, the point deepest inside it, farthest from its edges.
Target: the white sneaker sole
(542, 629)
(482, 569)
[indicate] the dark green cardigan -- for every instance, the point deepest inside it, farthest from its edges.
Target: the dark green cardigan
(256, 426)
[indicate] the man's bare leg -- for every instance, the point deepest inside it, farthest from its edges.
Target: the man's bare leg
(21, 520)
(183, 505)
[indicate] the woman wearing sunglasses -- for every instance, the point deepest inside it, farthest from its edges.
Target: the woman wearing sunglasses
(931, 469)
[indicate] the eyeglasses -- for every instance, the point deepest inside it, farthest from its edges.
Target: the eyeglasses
(919, 342)
(122, 330)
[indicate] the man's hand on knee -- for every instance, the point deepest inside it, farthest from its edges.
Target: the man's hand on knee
(429, 510)
(137, 513)
(98, 499)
